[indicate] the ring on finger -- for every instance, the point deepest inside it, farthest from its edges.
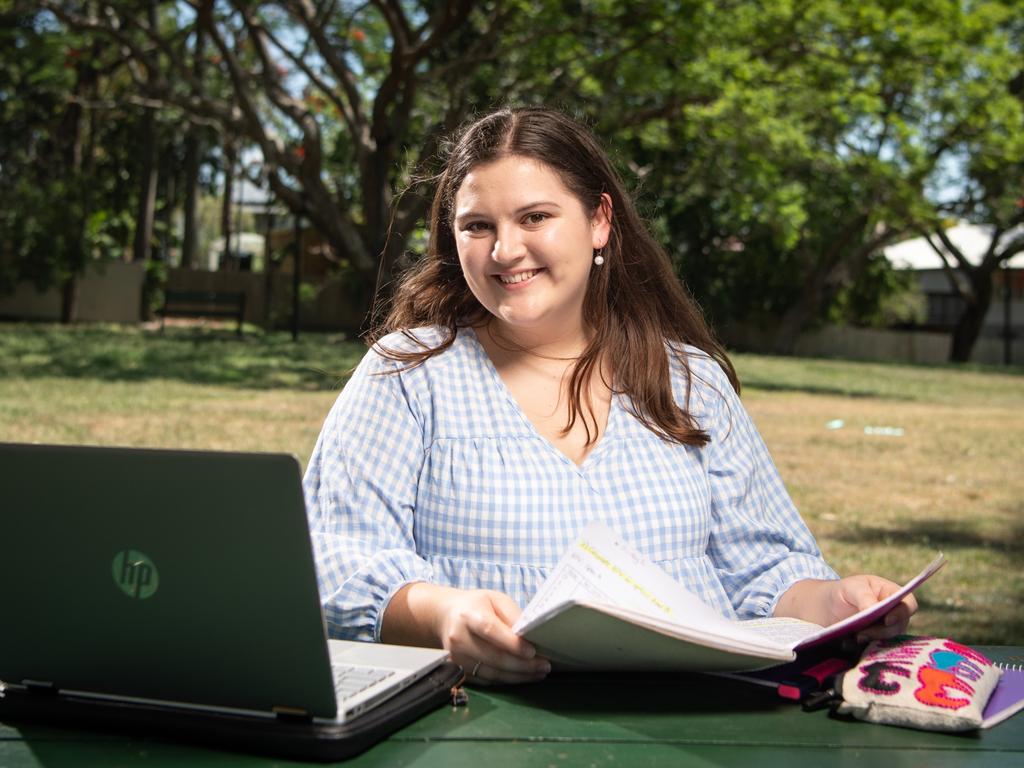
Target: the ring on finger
(476, 667)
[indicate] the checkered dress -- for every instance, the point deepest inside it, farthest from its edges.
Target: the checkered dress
(435, 474)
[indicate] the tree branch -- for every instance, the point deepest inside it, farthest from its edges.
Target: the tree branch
(955, 252)
(325, 88)
(948, 269)
(360, 128)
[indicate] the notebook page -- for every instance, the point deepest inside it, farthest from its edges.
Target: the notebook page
(602, 568)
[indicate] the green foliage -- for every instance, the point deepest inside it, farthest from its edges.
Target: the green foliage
(793, 140)
(775, 146)
(69, 154)
(33, 82)
(308, 293)
(880, 297)
(153, 285)
(62, 201)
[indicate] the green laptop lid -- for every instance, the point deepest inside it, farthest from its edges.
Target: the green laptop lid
(177, 576)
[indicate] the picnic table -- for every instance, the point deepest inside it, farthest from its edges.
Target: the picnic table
(586, 719)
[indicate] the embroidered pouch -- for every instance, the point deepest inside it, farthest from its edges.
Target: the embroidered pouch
(929, 683)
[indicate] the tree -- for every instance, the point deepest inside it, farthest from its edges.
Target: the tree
(349, 103)
(792, 141)
(391, 76)
(194, 141)
(777, 146)
(53, 185)
(988, 185)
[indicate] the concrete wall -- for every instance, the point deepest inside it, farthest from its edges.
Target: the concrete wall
(875, 345)
(110, 293)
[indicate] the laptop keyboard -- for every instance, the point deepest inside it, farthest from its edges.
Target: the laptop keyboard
(350, 680)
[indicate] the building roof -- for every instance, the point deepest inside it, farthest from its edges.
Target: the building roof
(971, 239)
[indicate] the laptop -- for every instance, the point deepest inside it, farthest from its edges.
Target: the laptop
(183, 579)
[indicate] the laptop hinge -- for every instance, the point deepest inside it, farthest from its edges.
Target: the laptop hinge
(41, 687)
(292, 714)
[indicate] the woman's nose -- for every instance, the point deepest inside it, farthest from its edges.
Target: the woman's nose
(508, 247)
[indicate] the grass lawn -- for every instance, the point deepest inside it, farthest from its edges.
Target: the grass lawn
(952, 481)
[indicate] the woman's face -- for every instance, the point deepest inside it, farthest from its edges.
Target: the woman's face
(526, 246)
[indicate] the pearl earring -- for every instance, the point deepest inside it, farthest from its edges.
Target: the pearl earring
(598, 258)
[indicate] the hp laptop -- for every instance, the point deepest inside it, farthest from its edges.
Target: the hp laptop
(180, 579)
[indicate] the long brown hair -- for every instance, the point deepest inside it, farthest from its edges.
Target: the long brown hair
(634, 302)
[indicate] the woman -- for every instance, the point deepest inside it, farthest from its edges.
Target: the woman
(542, 367)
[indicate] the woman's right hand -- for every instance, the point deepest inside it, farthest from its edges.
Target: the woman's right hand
(475, 626)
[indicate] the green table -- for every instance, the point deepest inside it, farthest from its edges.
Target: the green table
(590, 720)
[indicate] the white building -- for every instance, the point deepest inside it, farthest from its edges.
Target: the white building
(944, 305)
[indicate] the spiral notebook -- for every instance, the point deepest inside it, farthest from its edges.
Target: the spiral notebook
(1008, 697)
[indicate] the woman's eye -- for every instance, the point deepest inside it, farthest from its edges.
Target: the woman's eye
(536, 218)
(476, 226)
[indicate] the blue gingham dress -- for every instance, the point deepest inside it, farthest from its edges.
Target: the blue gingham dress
(435, 474)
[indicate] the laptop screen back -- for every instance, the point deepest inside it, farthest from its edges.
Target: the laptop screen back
(169, 575)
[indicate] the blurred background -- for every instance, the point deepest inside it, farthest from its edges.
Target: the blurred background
(812, 164)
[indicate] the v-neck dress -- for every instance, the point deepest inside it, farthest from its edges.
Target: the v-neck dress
(435, 474)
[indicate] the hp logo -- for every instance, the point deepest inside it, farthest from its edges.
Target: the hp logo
(135, 574)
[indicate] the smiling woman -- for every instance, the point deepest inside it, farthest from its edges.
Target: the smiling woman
(526, 245)
(542, 367)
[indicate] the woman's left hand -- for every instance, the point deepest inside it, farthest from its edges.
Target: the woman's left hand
(855, 593)
(826, 602)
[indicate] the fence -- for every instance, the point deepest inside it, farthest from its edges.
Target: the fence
(112, 293)
(269, 299)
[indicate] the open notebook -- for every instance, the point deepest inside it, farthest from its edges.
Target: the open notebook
(606, 606)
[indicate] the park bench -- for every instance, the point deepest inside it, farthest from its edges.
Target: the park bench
(203, 304)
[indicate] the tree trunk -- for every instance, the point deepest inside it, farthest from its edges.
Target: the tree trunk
(147, 190)
(380, 284)
(190, 237)
(167, 209)
(69, 299)
(844, 261)
(799, 314)
(968, 327)
(193, 153)
(268, 273)
(77, 132)
(225, 208)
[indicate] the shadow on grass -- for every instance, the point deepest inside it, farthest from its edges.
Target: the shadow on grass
(970, 624)
(196, 356)
(975, 622)
(895, 382)
(937, 533)
(753, 382)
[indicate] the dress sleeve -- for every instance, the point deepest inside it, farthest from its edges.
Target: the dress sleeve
(759, 544)
(360, 489)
